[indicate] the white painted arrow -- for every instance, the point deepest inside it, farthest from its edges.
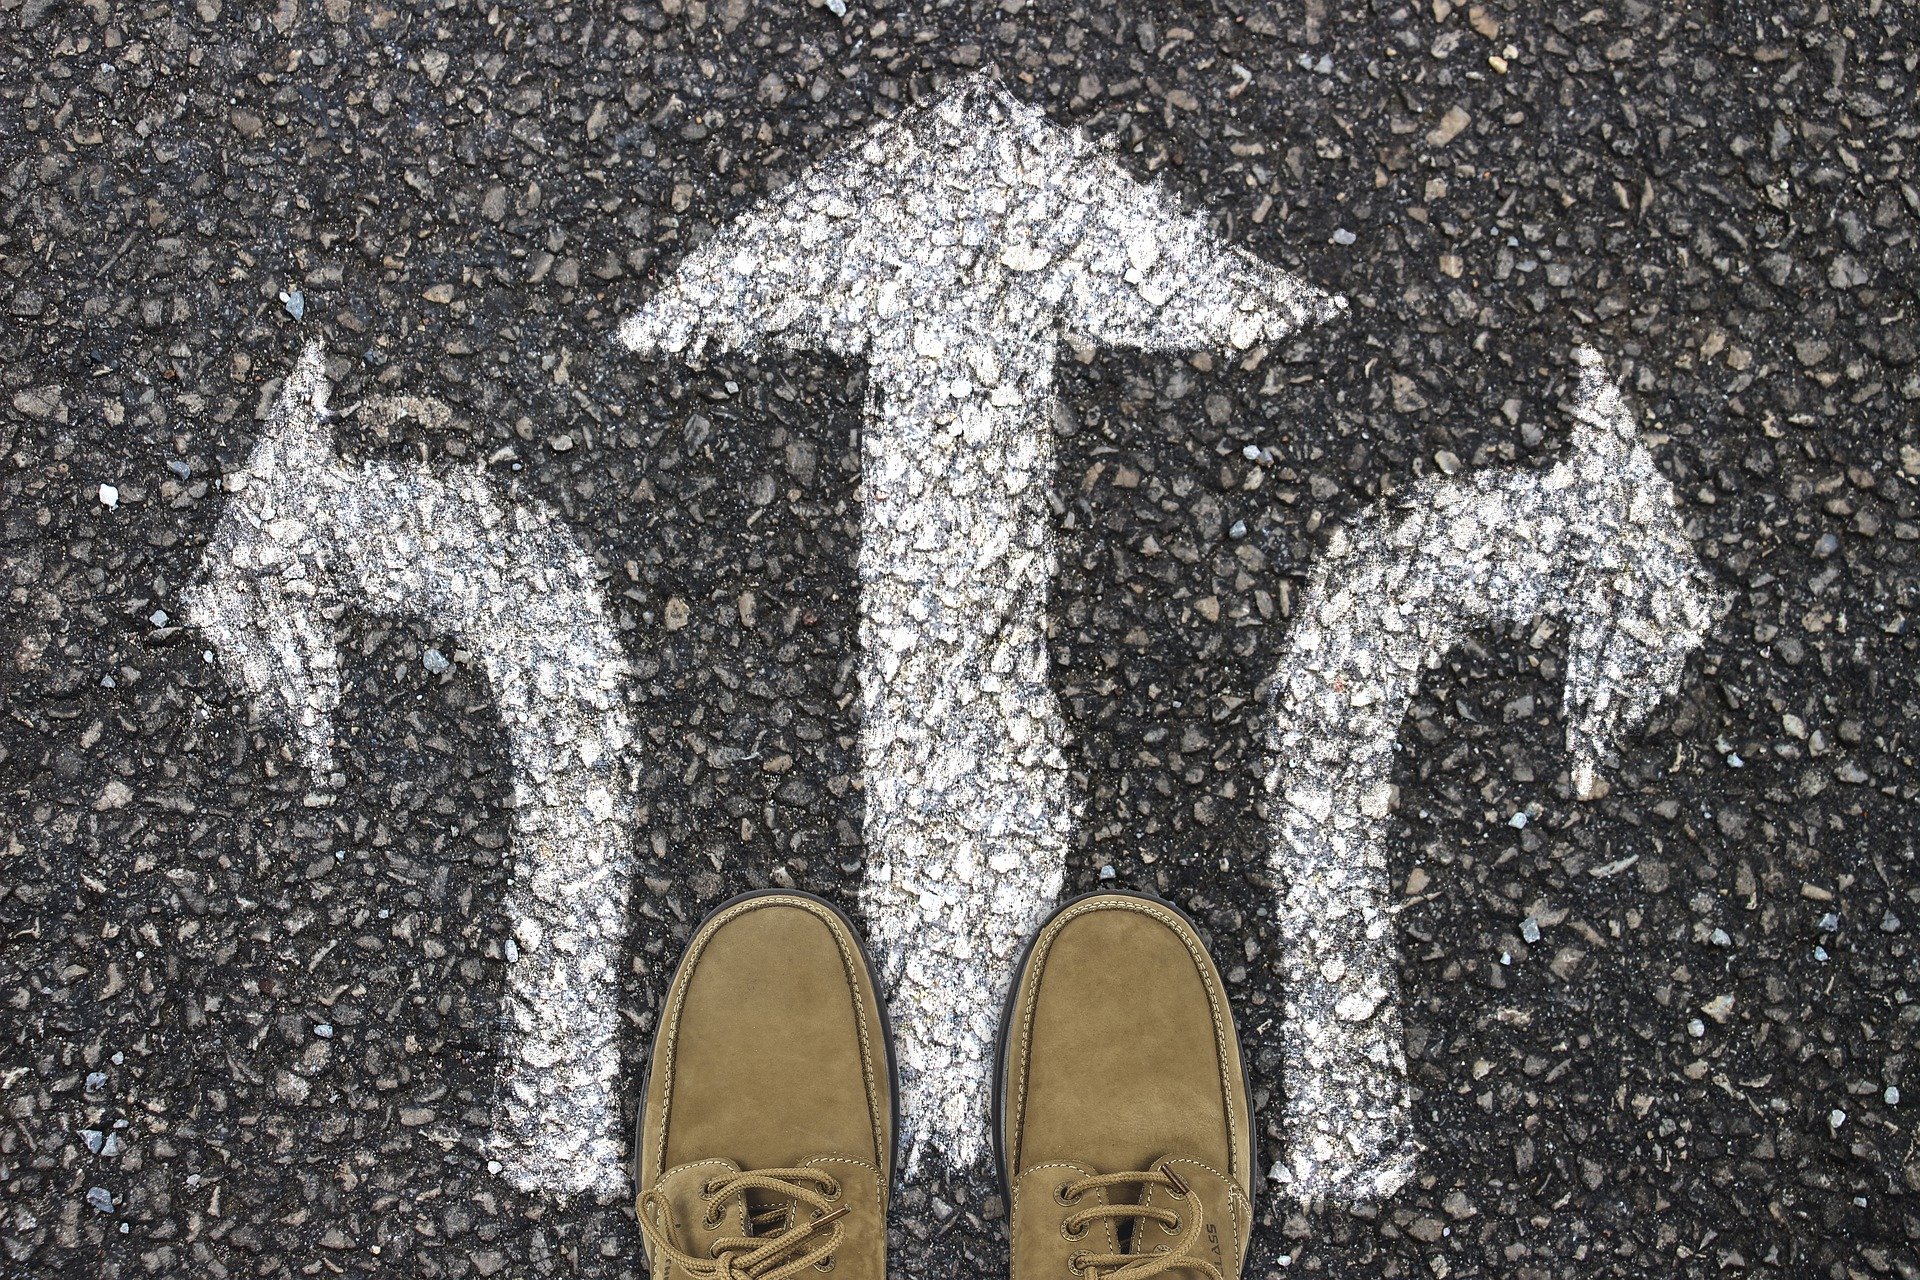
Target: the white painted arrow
(951, 249)
(304, 539)
(1593, 540)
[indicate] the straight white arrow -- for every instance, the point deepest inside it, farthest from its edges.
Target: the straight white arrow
(1595, 541)
(306, 538)
(951, 249)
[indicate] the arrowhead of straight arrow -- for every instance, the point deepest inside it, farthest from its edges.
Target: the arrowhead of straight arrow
(974, 215)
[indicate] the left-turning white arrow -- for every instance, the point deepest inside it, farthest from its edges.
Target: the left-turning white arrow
(306, 538)
(950, 249)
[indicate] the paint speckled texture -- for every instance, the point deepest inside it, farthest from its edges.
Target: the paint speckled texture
(264, 1060)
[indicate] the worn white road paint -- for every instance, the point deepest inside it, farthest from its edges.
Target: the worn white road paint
(1593, 541)
(951, 249)
(306, 538)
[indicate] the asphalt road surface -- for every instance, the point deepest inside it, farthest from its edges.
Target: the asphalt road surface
(250, 1018)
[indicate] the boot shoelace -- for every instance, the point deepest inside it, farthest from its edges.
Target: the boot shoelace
(1138, 1266)
(757, 1257)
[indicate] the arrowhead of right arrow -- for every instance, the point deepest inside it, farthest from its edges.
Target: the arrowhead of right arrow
(1644, 601)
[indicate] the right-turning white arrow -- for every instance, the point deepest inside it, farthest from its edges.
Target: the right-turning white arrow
(1594, 540)
(951, 249)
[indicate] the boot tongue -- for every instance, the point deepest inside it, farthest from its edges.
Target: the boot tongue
(768, 1213)
(1143, 1235)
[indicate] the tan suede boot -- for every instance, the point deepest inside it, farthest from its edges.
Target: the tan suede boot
(766, 1142)
(1122, 1120)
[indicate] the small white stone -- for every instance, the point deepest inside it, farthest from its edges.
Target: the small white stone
(1356, 1006)
(1024, 257)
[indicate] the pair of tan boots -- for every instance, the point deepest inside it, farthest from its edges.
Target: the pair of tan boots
(1122, 1122)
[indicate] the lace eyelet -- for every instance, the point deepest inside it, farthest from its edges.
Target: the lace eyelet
(1175, 1224)
(1074, 1233)
(825, 1264)
(1061, 1196)
(1078, 1263)
(713, 1217)
(834, 1189)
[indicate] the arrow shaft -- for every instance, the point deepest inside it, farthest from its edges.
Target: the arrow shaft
(553, 663)
(967, 805)
(1345, 691)
(1387, 600)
